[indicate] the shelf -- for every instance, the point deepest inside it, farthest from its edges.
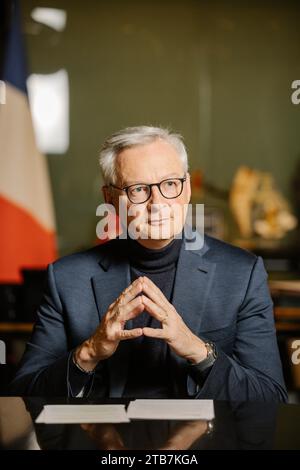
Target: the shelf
(11, 327)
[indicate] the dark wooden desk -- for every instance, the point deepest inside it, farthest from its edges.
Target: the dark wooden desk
(236, 426)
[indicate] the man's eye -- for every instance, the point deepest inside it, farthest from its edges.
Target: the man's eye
(138, 189)
(171, 183)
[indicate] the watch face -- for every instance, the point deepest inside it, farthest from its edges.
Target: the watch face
(211, 349)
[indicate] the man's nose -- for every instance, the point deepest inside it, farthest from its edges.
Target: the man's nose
(157, 203)
(156, 196)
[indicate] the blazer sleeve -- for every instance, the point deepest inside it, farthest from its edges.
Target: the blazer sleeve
(45, 369)
(253, 371)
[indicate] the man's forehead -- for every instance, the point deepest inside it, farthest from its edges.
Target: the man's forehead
(140, 167)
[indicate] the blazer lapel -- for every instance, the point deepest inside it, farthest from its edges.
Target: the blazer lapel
(192, 285)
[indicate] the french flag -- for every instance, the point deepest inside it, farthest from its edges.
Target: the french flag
(27, 222)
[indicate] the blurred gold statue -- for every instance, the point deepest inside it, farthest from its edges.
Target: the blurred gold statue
(258, 207)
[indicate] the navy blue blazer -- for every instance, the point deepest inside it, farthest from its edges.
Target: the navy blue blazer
(220, 291)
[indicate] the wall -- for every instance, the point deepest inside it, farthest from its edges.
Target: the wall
(219, 72)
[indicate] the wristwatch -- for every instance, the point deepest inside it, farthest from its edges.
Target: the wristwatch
(212, 355)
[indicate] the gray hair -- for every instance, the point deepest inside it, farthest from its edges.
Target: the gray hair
(130, 137)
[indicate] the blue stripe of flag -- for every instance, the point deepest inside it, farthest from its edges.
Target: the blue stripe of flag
(14, 67)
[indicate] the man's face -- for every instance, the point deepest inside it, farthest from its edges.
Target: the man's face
(158, 218)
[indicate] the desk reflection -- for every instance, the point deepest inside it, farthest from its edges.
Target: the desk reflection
(236, 426)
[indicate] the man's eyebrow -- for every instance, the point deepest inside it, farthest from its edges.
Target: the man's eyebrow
(169, 175)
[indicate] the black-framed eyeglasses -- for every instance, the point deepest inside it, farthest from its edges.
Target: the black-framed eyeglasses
(139, 193)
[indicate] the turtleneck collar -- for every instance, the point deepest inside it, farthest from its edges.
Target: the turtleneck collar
(153, 260)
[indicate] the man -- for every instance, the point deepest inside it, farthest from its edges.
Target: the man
(146, 316)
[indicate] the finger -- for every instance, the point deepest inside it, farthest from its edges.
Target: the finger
(153, 295)
(130, 334)
(126, 296)
(130, 310)
(130, 292)
(154, 292)
(132, 313)
(154, 332)
(155, 310)
(86, 426)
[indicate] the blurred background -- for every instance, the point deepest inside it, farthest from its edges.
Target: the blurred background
(225, 74)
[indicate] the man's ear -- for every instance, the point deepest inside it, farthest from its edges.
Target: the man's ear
(106, 194)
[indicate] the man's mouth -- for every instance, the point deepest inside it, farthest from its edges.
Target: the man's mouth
(158, 221)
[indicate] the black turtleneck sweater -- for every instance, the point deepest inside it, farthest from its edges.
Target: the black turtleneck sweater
(148, 373)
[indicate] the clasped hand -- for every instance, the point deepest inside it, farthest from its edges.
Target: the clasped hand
(141, 295)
